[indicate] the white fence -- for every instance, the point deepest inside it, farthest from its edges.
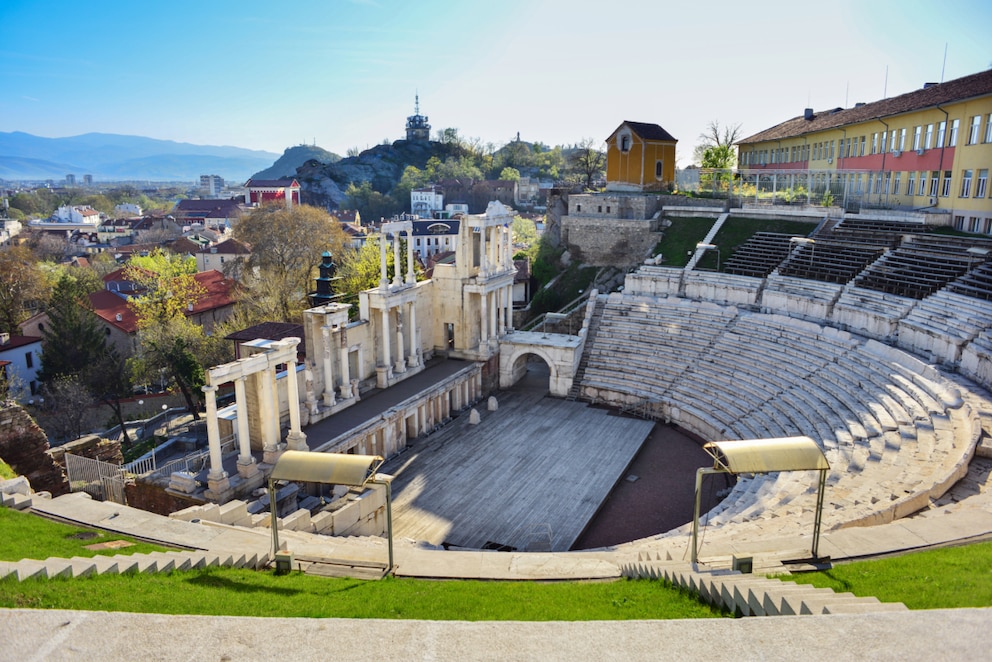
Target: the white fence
(101, 479)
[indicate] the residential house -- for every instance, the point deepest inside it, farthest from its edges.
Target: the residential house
(639, 157)
(20, 361)
(424, 202)
(219, 215)
(227, 257)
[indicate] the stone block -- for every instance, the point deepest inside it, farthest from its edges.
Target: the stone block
(346, 516)
(18, 485)
(323, 522)
(297, 521)
(182, 481)
(233, 512)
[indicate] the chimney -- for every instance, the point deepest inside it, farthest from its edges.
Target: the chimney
(4, 338)
(927, 86)
(808, 114)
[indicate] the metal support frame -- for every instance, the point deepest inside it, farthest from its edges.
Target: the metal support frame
(695, 513)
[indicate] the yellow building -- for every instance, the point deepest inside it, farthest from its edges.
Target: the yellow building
(930, 149)
(640, 157)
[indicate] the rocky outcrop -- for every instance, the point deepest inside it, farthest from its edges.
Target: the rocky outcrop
(293, 158)
(324, 184)
(23, 446)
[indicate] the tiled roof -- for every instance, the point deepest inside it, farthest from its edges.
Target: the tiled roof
(208, 208)
(227, 247)
(422, 228)
(272, 183)
(268, 331)
(959, 89)
(646, 131)
(220, 292)
(19, 341)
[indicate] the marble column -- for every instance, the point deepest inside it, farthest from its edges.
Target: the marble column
(217, 479)
(414, 359)
(383, 278)
(246, 463)
(271, 448)
(400, 360)
(411, 276)
(397, 263)
(345, 369)
(484, 312)
(483, 258)
(329, 400)
(387, 358)
(494, 314)
(296, 440)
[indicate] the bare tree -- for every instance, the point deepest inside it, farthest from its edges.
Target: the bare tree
(587, 161)
(716, 136)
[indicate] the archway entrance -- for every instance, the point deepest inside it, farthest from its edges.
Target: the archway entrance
(532, 373)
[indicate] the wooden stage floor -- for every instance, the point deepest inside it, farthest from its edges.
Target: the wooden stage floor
(530, 476)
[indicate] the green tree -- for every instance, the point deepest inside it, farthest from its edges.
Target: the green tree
(510, 174)
(360, 269)
(73, 339)
(524, 231)
(371, 204)
(716, 136)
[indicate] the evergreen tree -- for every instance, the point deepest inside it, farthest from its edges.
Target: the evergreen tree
(73, 339)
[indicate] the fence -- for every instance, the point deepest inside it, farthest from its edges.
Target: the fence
(100, 479)
(192, 463)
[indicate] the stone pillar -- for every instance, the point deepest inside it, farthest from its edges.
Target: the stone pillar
(325, 334)
(271, 448)
(397, 263)
(295, 439)
(483, 258)
(509, 308)
(484, 312)
(411, 275)
(217, 480)
(383, 278)
(400, 360)
(345, 370)
(494, 314)
(414, 359)
(386, 355)
(246, 463)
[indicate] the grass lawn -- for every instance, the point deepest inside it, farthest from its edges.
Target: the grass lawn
(231, 592)
(27, 536)
(681, 238)
(6, 473)
(738, 230)
(934, 579)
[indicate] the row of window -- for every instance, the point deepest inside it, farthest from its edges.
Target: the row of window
(936, 183)
(893, 140)
(974, 224)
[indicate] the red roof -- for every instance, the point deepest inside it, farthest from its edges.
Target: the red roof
(19, 341)
(227, 247)
(220, 293)
(272, 183)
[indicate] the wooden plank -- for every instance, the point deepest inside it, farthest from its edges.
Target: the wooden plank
(528, 468)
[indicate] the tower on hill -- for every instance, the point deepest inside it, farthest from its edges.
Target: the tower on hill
(417, 128)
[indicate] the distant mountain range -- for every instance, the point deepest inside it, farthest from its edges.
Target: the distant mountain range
(109, 156)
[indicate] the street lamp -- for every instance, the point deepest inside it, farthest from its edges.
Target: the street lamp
(710, 247)
(805, 241)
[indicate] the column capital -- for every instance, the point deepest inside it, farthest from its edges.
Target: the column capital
(208, 388)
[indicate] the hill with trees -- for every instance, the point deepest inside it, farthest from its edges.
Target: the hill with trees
(293, 158)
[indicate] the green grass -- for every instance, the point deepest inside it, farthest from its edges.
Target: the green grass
(6, 472)
(681, 238)
(230, 592)
(944, 578)
(27, 536)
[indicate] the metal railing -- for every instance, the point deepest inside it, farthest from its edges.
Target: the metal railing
(565, 313)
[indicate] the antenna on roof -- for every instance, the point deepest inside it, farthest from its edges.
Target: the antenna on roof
(847, 92)
(885, 87)
(944, 65)
(416, 103)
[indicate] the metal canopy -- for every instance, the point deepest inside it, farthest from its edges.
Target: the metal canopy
(764, 456)
(334, 468)
(753, 456)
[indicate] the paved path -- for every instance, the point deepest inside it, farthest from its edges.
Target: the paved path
(30, 635)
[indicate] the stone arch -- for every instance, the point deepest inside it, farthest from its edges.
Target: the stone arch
(513, 366)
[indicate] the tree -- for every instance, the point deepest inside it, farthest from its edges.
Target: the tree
(23, 287)
(108, 378)
(716, 136)
(510, 174)
(360, 269)
(719, 156)
(586, 161)
(66, 400)
(371, 204)
(168, 284)
(173, 346)
(524, 231)
(73, 339)
(286, 247)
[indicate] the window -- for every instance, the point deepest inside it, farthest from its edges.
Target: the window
(902, 139)
(624, 143)
(988, 128)
(918, 138)
(874, 143)
(952, 137)
(945, 186)
(893, 141)
(911, 183)
(923, 183)
(885, 141)
(888, 180)
(929, 140)
(976, 224)
(966, 183)
(934, 182)
(659, 169)
(877, 186)
(981, 182)
(578, 207)
(862, 151)
(941, 128)
(831, 150)
(959, 222)
(976, 126)
(607, 209)
(895, 183)
(28, 359)
(600, 209)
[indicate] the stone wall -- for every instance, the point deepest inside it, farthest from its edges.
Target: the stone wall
(23, 446)
(605, 242)
(151, 496)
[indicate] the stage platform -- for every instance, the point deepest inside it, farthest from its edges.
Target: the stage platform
(529, 477)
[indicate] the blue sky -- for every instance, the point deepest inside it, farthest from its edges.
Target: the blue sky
(269, 75)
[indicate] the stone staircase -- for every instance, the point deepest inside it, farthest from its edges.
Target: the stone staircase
(16, 501)
(591, 333)
(120, 564)
(753, 595)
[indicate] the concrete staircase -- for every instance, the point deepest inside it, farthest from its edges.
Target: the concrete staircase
(120, 564)
(593, 330)
(16, 501)
(753, 595)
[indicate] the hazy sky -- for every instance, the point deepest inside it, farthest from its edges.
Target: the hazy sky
(269, 75)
